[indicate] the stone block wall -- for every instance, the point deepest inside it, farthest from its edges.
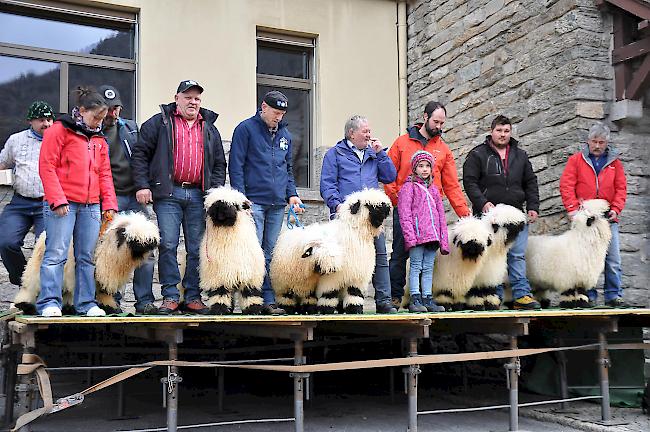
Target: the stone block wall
(546, 64)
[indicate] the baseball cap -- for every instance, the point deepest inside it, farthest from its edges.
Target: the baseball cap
(111, 95)
(188, 84)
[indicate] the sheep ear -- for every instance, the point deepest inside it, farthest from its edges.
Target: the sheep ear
(308, 252)
(246, 206)
(495, 227)
(354, 208)
(590, 220)
(489, 242)
(455, 240)
(121, 236)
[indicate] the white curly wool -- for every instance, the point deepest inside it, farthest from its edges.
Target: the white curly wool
(300, 257)
(570, 263)
(454, 274)
(359, 220)
(231, 258)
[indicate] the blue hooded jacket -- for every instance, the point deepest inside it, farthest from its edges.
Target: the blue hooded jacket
(343, 173)
(259, 167)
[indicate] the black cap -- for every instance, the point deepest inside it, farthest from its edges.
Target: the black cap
(277, 100)
(188, 84)
(111, 95)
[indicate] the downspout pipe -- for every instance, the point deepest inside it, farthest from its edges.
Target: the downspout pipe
(402, 45)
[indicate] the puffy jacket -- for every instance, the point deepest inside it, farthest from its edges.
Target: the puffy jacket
(261, 167)
(445, 176)
(579, 181)
(422, 215)
(152, 157)
(485, 179)
(127, 137)
(343, 173)
(75, 167)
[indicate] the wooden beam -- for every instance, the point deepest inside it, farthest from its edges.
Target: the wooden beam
(640, 80)
(622, 29)
(630, 51)
(638, 8)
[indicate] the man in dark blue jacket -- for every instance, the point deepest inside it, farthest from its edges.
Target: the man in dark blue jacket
(260, 167)
(356, 162)
(122, 135)
(178, 157)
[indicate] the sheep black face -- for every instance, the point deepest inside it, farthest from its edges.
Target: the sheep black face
(513, 231)
(472, 249)
(590, 220)
(138, 248)
(223, 213)
(378, 214)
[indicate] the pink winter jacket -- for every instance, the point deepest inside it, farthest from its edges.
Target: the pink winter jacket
(422, 215)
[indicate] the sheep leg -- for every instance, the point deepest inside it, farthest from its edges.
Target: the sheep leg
(475, 300)
(492, 300)
(287, 300)
(68, 301)
(543, 296)
(219, 300)
(582, 300)
(309, 304)
(107, 301)
(353, 300)
(327, 294)
(574, 298)
(444, 298)
(251, 300)
(26, 299)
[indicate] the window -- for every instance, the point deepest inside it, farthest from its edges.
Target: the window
(285, 63)
(49, 49)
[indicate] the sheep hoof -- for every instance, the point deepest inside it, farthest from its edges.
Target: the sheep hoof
(457, 307)
(545, 303)
(326, 310)
(354, 309)
(220, 309)
(110, 310)
(68, 310)
(491, 307)
(27, 308)
(252, 310)
(568, 304)
(477, 307)
(290, 310)
(310, 309)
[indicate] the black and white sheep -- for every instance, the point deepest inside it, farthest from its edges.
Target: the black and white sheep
(231, 259)
(124, 246)
(454, 274)
(300, 258)
(359, 220)
(570, 263)
(505, 222)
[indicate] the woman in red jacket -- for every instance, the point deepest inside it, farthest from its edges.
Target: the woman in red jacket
(76, 174)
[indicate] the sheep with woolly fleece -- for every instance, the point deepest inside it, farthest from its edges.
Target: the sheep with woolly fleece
(506, 222)
(231, 259)
(570, 263)
(359, 220)
(454, 274)
(126, 243)
(300, 258)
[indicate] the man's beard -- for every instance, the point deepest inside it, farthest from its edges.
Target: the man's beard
(432, 132)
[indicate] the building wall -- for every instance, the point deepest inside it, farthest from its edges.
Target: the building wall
(547, 66)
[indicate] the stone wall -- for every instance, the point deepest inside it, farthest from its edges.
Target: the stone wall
(547, 66)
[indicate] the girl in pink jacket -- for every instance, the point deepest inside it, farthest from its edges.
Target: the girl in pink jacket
(422, 217)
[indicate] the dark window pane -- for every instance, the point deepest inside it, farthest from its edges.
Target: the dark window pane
(22, 82)
(66, 36)
(283, 61)
(123, 81)
(298, 118)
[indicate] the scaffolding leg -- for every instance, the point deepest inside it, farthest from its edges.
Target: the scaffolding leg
(603, 360)
(512, 374)
(299, 387)
(172, 389)
(564, 387)
(10, 384)
(412, 373)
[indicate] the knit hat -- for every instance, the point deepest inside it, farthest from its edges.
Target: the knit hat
(420, 156)
(40, 109)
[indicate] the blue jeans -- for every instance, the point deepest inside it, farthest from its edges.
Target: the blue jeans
(143, 275)
(421, 262)
(381, 276)
(16, 220)
(81, 224)
(268, 223)
(183, 208)
(517, 267)
(397, 263)
(612, 288)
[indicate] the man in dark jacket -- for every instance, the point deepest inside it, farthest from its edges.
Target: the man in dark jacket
(122, 135)
(261, 168)
(496, 172)
(179, 156)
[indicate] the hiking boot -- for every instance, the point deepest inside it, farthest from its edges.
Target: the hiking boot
(148, 309)
(416, 304)
(616, 303)
(196, 306)
(168, 307)
(272, 309)
(431, 306)
(386, 308)
(396, 302)
(526, 303)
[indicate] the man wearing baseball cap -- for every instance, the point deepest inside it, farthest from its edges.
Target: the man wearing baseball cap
(261, 168)
(122, 135)
(25, 210)
(179, 156)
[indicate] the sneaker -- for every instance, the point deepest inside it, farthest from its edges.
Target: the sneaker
(148, 309)
(168, 307)
(51, 311)
(386, 308)
(95, 311)
(196, 306)
(431, 306)
(526, 303)
(616, 303)
(416, 304)
(272, 309)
